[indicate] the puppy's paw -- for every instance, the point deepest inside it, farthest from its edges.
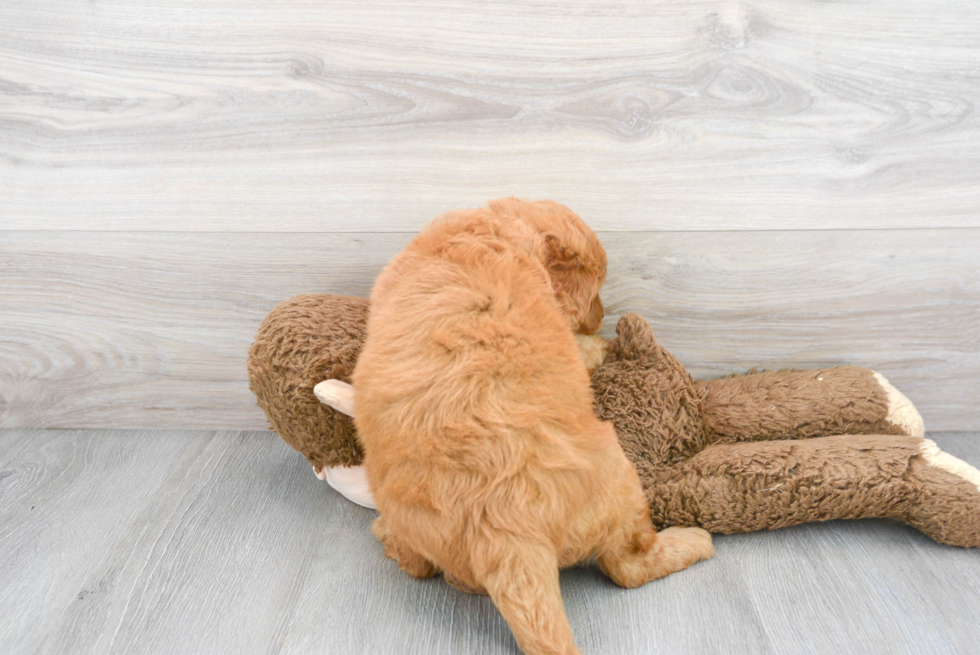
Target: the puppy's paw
(408, 560)
(381, 531)
(651, 555)
(592, 349)
(459, 585)
(685, 546)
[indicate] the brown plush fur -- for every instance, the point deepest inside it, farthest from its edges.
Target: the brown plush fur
(766, 406)
(300, 343)
(481, 447)
(770, 450)
(746, 452)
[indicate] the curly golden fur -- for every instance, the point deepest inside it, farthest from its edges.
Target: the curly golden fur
(486, 460)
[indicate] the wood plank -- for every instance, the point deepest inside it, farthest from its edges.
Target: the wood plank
(106, 330)
(858, 585)
(225, 542)
(66, 499)
(129, 330)
(219, 560)
(343, 116)
(191, 542)
(392, 613)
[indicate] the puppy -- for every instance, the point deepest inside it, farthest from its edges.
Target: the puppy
(475, 411)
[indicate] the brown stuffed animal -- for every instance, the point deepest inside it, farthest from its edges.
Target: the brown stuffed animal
(741, 453)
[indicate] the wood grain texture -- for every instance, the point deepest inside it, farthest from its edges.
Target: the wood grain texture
(105, 330)
(67, 499)
(361, 117)
(120, 542)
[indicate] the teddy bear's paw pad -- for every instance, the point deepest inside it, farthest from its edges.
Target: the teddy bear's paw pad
(901, 411)
(336, 394)
(352, 483)
(931, 453)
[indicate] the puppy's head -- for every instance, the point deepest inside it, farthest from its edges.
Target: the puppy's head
(573, 257)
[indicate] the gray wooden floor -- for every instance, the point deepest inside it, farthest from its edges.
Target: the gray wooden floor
(221, 542)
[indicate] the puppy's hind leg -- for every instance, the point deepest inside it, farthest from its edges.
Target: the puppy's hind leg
(522, 580)
(408, 560)
(636, 553)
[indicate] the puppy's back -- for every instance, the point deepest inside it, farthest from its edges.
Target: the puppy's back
(466, 344)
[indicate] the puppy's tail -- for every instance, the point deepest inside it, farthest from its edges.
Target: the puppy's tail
(522, 580)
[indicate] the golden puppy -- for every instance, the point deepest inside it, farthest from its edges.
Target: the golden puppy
(485, 458)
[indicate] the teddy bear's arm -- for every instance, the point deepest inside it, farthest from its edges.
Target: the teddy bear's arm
(741, 487)
(350, 481)
(802, 404)
(336, 394)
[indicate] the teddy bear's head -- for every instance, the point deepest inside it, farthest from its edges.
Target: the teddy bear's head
(649, 396)
(302, 342)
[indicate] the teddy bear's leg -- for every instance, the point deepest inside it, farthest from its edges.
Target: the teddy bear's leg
(408, 560)
(804, 404)
(742, 487)
(948, 503)
(350, 481)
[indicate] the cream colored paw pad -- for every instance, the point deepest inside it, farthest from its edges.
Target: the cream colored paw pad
(352, 483)
(901, 411)
(936, 457)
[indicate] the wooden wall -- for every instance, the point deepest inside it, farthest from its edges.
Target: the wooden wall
(779, 183)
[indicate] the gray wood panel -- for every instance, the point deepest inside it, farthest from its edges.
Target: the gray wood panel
(106, 330)
(66, 500)
(122, 542)
(353, 116)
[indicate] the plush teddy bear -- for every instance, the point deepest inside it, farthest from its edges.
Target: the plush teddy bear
(746, 452)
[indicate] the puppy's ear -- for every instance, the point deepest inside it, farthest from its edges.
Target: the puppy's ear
(560, 257)
(572, 287)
